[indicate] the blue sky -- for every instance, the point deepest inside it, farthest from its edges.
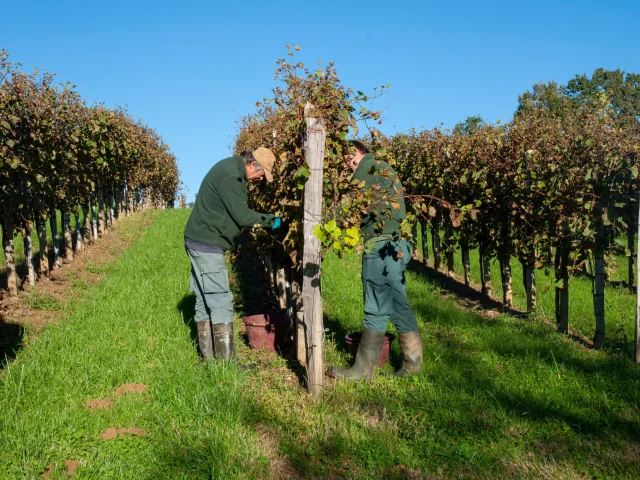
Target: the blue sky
(190, 69)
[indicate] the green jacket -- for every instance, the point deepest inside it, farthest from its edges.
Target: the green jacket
(377, 172)
(221, 208)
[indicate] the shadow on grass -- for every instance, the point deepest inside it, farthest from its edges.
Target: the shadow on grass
(534, 345)
(253, 295)
(187, 308)
(472, 298)
(10, 341)
(339, 332)
(453, 286)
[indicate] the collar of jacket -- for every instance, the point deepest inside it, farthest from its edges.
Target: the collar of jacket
(241, 166)
(364, 164)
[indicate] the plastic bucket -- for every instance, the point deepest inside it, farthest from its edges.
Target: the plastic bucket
(353, 340)
(267, 332)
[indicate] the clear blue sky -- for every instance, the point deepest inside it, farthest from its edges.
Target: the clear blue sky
(192, 68)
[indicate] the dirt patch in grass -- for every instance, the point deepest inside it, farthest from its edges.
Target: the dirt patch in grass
(94, 404)
(111, 433)
(130, 388)
(70, 467)
(49, 471)
(45, 303)
(278, 465)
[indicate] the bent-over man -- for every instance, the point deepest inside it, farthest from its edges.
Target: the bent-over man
(219, 213)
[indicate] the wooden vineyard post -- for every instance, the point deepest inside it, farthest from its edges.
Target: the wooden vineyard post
(311, 293)
(530, 283)
(598, 293)
(425, 243)
(28, 253)
(448, 246)
(9, 254)
(54, 238)
(281, 286)
(101, 212)
(41, 226)
(466, 265)
(637, 336)
(485, 271)
(66, 235)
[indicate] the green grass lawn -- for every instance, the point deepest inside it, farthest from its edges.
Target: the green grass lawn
(498, 398)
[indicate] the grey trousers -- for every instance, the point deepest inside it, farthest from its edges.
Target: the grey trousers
(385, 289)
(210, 284)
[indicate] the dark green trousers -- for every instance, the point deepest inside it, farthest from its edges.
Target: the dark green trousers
(385, 288)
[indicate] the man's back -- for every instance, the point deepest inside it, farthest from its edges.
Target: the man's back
(210, 221)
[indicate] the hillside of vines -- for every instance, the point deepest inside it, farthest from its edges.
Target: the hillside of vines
(59, 154)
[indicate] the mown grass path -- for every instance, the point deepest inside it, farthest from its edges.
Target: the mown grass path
(498, 397)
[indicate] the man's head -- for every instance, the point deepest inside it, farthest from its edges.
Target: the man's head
(259, 163)
(356, 151)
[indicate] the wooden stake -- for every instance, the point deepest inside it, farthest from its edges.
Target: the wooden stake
(55, 239)
(311, 293)
(598, 292)
(101, 213)
(466, 266)
(425, 243)
(9, 253)
(448, 246)
(41, 226)
(435, 242)
(530, 283)
(28, 254)
(281, 286)
(66, 234)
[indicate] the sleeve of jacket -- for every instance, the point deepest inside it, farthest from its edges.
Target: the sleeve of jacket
(233, 193)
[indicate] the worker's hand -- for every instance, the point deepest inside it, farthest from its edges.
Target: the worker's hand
(277, 222)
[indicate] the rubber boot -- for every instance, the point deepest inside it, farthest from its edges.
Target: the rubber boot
(367, 357)
(224, 345)
(411, 348)
(204, 339)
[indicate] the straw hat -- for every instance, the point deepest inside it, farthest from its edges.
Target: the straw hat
(266, 159)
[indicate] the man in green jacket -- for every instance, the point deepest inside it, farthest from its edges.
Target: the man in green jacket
(383, 264)
(219, 213)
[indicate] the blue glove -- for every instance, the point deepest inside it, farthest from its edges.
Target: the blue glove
(276, 223)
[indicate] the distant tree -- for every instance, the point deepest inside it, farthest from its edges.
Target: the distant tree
(470, 126)
(549, 97)
(617, 91)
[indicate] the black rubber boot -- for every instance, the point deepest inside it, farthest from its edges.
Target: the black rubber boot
(368, 355)
(223, 343)
(204, 339)
(411, 348)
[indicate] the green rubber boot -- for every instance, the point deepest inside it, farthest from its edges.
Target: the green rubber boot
(368, 355)
(411, 348)
(223, 342)
(224, 345)
(204, 339)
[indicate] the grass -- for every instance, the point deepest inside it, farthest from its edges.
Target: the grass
(497, 398)
(620, 303)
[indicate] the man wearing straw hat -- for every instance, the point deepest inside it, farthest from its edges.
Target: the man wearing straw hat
(219, 213)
